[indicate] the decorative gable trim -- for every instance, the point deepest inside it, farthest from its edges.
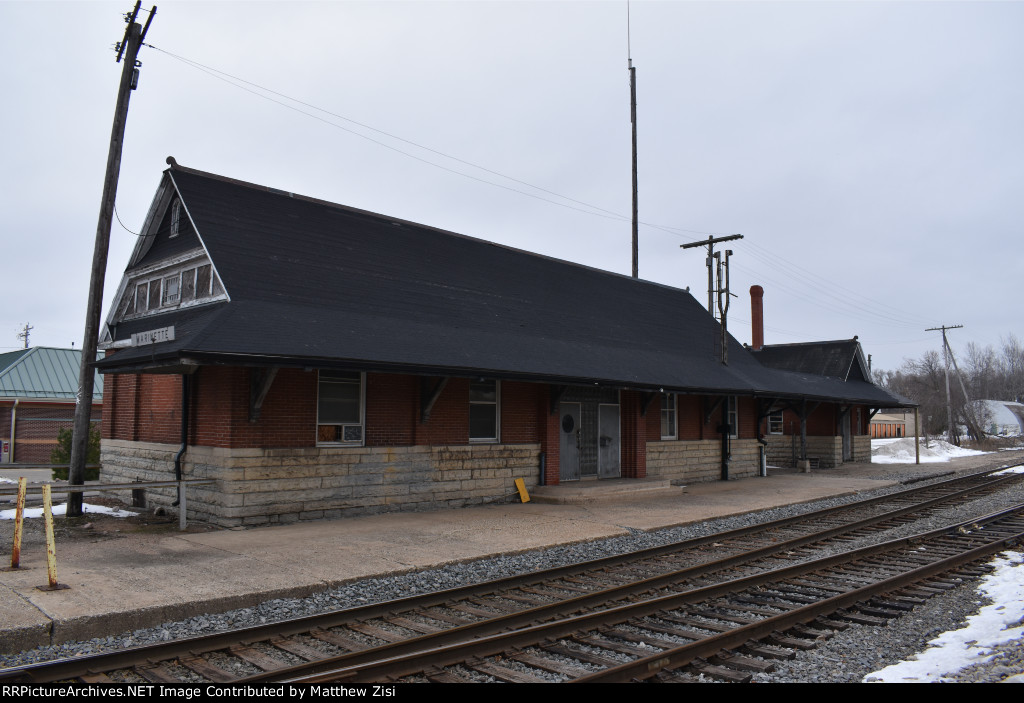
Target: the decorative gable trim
(167, 195)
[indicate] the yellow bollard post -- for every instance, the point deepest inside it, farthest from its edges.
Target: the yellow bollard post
(19, 523)
(51, 547)
(524, 496)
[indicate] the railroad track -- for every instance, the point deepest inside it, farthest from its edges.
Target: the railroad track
(715, 629)
(386, 630)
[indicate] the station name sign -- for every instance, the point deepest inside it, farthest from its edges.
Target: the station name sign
(164, 334)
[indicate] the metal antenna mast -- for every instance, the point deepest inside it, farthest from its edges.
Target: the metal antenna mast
(134, 34)
(632, 119)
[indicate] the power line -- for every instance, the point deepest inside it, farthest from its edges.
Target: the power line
(800, 275)
(879, 311)
(592, 209)
(122, 224)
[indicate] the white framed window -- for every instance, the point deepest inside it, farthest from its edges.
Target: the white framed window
(775, 425)
(172, 289)
(733, 417)
(154, 294)
(203, 276)
(142, 297)
(188, 285)
(669, 422)
(340, 408)
(175, 219)
(484, 413)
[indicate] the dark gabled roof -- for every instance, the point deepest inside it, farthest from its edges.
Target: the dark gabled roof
(313, 283)
(841, 358)
(43, 373)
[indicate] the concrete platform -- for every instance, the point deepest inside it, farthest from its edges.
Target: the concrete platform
(123, 581)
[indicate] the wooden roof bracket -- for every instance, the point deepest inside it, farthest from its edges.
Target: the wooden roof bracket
(766, 407)
(717, 404)
(260, 381)
(804, 412)
(648, 399)
(557, 393)
(429, 395)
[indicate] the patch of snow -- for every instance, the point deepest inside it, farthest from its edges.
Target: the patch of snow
(993, 625)
(63, 508)
(1011, 470)
(7, 480)
(901, 451)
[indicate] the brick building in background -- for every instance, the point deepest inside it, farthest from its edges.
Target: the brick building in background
(37, 399)
(317, 361)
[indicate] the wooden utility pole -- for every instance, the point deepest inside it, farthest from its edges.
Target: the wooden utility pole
(723, 300)
(949, 404)
(25, 332)
(129, 47)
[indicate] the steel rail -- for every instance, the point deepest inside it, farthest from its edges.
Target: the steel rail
(397, 667)
(555, 610)
(70, 668)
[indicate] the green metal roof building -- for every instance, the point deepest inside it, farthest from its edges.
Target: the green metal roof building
(37, 398)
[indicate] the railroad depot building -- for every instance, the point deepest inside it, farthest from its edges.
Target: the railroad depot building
(316, 360)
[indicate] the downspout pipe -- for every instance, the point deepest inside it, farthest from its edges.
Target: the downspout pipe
(14, 425)
(184, 434)
(726, 433)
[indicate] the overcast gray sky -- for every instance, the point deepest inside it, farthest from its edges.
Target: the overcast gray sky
(872, 154)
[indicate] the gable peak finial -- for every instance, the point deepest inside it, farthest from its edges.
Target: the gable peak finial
(171, 162)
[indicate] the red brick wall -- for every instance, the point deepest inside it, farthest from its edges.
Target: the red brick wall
(550, 436)
(519, 420)
(690, 410)
(690, 414)
(823, 421)
(633, 436)
(746, 411)
(159, 408)
(38, 423)
(392, 409)
(147, 408)
(449, 418)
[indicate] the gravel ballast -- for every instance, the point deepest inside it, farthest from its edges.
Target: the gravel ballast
(845, 657)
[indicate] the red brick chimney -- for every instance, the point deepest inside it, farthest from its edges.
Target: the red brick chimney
(756, 317)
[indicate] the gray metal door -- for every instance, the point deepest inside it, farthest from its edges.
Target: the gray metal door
(569, 442)
(608, 465)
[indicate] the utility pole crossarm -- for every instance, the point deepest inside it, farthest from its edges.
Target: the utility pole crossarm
(710, 244)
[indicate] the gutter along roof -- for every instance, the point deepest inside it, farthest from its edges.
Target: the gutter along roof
(318, 284)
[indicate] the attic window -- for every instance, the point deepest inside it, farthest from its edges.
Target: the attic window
(175, 219)
(141, 297)
(203, 281)
(172, 289)
(188, 285)
(154, 295)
